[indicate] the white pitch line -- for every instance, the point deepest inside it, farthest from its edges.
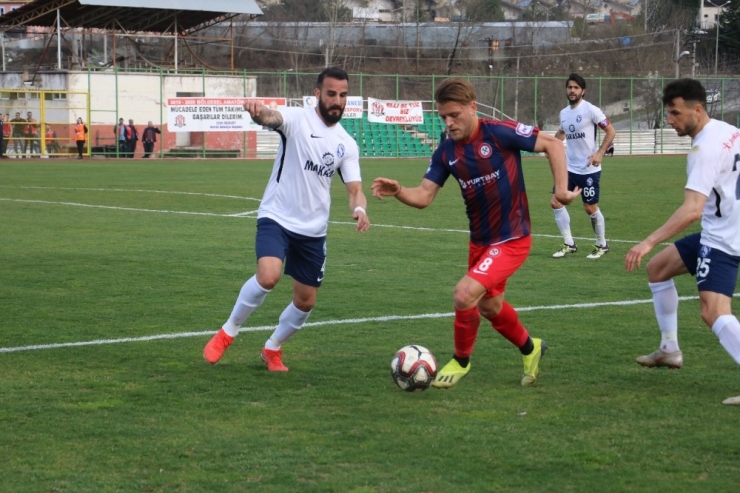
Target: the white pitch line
(130, 209)
(254, 212)
(387, 318)
(243, 214)
(136, 191)
(418, 228)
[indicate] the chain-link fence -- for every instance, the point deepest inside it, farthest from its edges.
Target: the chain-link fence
(633, 105)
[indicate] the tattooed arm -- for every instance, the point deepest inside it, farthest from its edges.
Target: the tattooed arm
(262, 115)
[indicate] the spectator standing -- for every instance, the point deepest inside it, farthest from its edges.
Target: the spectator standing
(7, 129)
(2, 137)
(120, 131)
(52, 146)
(80, 137)
(18, 133)
(31, 134)
(132, 137)
(148, 138)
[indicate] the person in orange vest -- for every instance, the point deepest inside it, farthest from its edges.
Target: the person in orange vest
(52, 146)
(80, 136)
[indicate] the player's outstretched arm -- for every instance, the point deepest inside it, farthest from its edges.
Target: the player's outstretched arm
(418, 197)
(262, 115)
(358, 205)
(556, 157)
(690, 211)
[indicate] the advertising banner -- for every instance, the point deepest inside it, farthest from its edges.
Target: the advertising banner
(395, 112)
(213, 114)
(353, 109)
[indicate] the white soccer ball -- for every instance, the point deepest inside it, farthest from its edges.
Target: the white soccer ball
(413, 368)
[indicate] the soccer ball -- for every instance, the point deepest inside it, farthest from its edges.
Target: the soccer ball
(413, 368)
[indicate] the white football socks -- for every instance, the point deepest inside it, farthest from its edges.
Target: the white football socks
(665, 303)
(291, 321)
(727, 329)
(599, 225)
(562, 219)
(250, 297)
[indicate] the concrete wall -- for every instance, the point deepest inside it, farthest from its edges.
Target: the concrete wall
(113, 95)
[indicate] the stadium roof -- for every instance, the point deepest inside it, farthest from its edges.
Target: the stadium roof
(128, 15)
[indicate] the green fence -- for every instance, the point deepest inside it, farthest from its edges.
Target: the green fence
(632, 104)
(636, 101)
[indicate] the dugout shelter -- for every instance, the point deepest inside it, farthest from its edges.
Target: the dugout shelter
(53, 105)
(171, 18)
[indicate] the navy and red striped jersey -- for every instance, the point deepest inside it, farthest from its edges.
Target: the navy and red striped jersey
(488, 169)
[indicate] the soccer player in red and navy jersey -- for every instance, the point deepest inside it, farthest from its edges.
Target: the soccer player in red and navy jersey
(484, 157)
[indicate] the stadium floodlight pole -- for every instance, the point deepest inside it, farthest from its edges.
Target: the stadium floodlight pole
(679, 55)
(516, 92)
(645, 14)
(59, 41)
(716, 26)
(678, 59)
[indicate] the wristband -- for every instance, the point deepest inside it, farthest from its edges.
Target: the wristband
(359, 208)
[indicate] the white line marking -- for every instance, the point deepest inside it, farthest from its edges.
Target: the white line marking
(415, 228)
(135, 191)
(133, 209)
(244, 214)
(254, 212)
(387, 318)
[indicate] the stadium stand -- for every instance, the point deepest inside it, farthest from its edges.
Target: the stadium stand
(382, 140)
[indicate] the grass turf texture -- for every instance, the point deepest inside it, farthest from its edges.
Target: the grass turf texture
(99, 250)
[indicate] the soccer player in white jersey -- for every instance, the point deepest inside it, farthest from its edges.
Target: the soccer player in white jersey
(578, 122)
(293, 217)
(712, 193)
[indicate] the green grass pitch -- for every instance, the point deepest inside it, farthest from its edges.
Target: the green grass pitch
(113, 274)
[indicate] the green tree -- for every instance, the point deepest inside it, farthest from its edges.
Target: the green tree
(537, 10)
(483, 10)
(309, 11)
(667, 14)
(729, 33)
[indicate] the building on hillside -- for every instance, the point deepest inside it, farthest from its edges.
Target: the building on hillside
(444, 10)
(450, 10)
(7, 6)
(512, 10)
(709, 13)
(606, 6)
(376, 11)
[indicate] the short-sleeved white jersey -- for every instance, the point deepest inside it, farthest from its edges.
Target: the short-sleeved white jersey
(714, 170)
(579, 125)
(309, 155)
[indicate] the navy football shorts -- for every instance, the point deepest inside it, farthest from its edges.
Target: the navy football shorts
(304, 256)
(715, 270)
(589, 185)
